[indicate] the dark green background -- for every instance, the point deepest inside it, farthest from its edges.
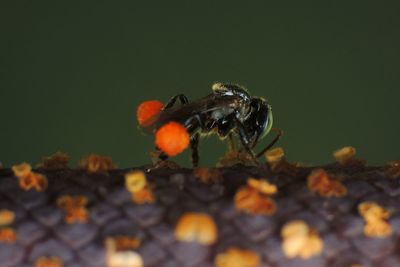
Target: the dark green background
(73, 73)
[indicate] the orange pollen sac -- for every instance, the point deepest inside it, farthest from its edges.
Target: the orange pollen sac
(147, 110)
(172, 138)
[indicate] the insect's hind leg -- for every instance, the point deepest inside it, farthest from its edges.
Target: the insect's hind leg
(182, 98)
(194, 144)
(231, 142)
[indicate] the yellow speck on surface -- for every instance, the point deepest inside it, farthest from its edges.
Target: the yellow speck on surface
(196, 227)
(375, 218)
(6, 217)
(96, 164)
(300, 241)
(58, 160)
(22, 169)
(320, 182)
(275, 155)
(344, 154)
(235, 257)
(262, 186)
(45, 261)
(116, 258)
(135, 181)
(8, 235)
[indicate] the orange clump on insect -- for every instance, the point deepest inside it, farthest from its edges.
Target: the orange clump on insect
(172, 138)
(196, 227)
(147, 110)
(320, 182)
(235, 257)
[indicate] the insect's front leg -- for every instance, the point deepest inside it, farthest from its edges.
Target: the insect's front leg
(276, 139)
(245, 140)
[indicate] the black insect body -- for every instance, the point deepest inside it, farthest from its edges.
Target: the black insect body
(229, 110)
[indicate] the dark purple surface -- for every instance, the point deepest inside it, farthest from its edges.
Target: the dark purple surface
(41, 230)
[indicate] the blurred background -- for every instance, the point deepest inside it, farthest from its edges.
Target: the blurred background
(73, 72)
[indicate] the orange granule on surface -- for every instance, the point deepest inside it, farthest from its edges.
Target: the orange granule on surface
(235, 257)
(275, 155)
(300, 241)
(115, 258)
(172, 138)
(143, 196)
(45, 261)
(208, 175)
(29, 179)
(135, 181)
(6, 217)
(392, 169)
(346, 156)
(74, 207)
(319, 181)
(250, 201)
(8, 235)
(96, 164)
(277, 161)
(34, 180)
(375, 217)
(126, 243)
(22, 169)
(255, 197)
(262, 186)
(58, 160)
(196, 227)
(235, 157)
(147, 110)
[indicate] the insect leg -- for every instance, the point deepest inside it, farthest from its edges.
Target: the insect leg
(245, 140)
(231, 142)
(184, 100)
(277, 137)
(194, 143)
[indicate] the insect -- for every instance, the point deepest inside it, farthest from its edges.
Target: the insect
(228, 111)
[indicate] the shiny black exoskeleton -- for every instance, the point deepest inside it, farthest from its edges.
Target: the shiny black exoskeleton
(228, 111)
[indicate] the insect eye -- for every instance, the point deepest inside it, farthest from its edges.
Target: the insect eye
(267, 124)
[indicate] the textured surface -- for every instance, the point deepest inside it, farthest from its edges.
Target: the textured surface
(41, 229)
